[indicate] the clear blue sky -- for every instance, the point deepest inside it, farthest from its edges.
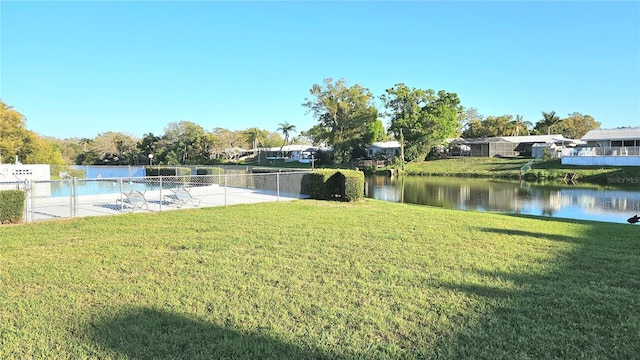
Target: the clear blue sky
(79, 68)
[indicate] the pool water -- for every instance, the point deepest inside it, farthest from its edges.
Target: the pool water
(98, 187)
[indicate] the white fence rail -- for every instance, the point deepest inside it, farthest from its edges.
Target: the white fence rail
(600, 151)
(599, 156)
(74, 197)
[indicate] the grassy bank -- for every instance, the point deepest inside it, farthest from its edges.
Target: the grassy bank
(510, 168)
(309, 279)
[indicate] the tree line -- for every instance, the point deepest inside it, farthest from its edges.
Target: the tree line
(347, 120)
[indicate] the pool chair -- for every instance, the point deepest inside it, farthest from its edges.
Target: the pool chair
(133, 200)
(180, 197)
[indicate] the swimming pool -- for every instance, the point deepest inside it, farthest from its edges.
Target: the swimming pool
(99, 187)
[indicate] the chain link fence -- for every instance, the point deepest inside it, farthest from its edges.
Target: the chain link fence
(75, 197)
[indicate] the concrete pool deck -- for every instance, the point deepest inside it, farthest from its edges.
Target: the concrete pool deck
(49, 208)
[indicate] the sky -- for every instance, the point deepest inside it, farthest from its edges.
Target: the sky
(81, 68)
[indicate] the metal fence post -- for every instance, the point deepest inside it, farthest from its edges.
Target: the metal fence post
(160, 193)
(225, 189)
(31, 193)
(121, 196)
(278, 186)
(74, 198)
(71, 196)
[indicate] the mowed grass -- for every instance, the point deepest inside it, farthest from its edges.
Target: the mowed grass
(553, 170)
(478, 167)
(311, 279)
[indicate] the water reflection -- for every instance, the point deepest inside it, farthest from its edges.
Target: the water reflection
(508, 197)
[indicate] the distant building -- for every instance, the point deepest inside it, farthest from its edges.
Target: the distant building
(300, 153)
(387, 149)
(629, 137)
(606, 147)
(509, 146)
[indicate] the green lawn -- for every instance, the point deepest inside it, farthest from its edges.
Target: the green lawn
(479, 167)
(625, 176)
(311, 279)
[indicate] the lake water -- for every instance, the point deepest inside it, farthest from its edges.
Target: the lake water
(515, 197)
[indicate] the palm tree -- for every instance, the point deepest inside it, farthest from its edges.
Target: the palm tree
(85, 142)
(254, 135)
(518, 124)
(549, 119)
(286, 129)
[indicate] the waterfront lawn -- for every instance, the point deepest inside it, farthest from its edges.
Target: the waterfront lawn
(311, 279)
(628, 176)
(468, 166)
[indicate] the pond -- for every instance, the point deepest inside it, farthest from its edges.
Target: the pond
(514, 197)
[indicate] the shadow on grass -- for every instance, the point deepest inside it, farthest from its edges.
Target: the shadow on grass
(583, 304)
(144, 333)
(514, 232)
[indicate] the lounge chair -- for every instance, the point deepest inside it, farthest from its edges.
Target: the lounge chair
(133, 200)
(181, 196)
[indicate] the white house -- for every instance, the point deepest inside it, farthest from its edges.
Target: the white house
(627, 137)
(300, 153)
(388, 149)
(606, 147)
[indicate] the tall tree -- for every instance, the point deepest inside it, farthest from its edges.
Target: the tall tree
(286, 129)
(16, 142)
(548, 121)
(149, 145)
(12, 132)
(226, 142)
(469, 116)
(85, 142)
(375, 132)
(576, 125)
(255, 136)
(520, 127)
(205, 146)
(344, 114)
(424, 118)
(180, 138)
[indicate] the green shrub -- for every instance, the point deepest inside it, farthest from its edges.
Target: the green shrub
(207, 175)
(11, 206)
(210, 170)
(167, 171)
(332, 184)
(57, 170)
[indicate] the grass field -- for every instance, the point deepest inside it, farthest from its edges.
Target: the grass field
(315, 280)
(628, 176)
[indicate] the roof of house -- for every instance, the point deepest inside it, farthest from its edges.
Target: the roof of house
(535, 138)
(295, 147)
(386, 144)
(553, 138)
(612, 134)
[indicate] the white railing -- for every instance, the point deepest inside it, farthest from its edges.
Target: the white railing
(600, 151)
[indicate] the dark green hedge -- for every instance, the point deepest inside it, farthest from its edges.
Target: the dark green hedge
(331, 184)
(11, 206)
(167, 171)
(210, 170)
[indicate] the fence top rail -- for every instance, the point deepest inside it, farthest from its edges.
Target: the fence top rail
(156, 178)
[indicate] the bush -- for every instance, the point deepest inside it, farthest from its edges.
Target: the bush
(341, 185)
(11, 206)
(56, 170)
(167, 171)
(207, 175)
(210, 170)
